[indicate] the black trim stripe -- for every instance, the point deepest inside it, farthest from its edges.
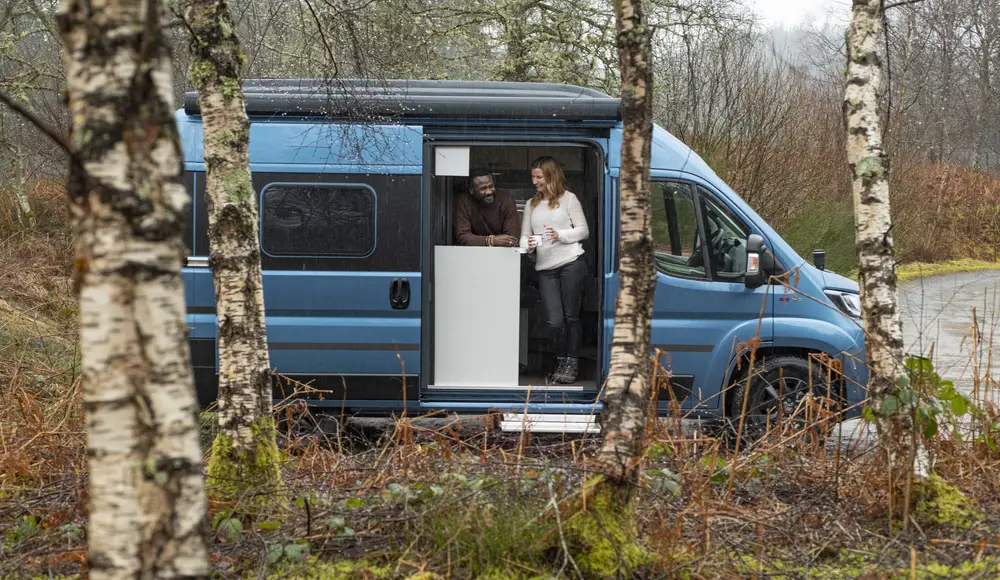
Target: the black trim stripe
(313, 313)
(342, 346)
(685, 347)
(679, 386)
(360, 387)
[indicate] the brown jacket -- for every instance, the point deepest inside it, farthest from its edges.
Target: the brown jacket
(474, 222)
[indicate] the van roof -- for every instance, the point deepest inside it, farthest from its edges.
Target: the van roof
(368, 99)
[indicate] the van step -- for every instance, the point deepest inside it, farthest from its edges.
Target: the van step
(549, 423)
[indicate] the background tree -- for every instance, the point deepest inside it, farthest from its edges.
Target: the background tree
(30, 72)
(245, 454)
(147, 501)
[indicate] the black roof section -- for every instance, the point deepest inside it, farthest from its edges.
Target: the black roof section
(371, 99)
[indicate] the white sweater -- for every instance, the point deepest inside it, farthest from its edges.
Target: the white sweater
(567, 219)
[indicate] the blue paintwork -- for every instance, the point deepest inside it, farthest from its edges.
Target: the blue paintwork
(691, 312)
(328, 308)
(344, 308)
(804, 317)
(331, 147)
(320, 322)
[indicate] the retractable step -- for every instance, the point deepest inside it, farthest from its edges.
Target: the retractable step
(549, 423)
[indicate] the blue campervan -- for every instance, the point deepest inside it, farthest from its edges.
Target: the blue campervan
(354, 207)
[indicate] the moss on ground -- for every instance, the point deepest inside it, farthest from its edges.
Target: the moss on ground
(852, 565)
(232, 473)
(314, 569)
(603, 534)
(940, 502)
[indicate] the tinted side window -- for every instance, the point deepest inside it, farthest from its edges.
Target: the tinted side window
(299, 219)
(727, 239)
(677, 250)
(189, 243)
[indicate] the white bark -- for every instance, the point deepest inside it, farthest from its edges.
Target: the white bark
(876, 257)
(627, 393)
(23, 205)
(246, 449)
(147, 501)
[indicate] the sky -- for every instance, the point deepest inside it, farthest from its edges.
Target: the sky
(790, 13)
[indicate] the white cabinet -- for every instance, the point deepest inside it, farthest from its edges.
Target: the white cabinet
(477, 316)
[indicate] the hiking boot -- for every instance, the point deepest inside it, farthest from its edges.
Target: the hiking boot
(559, 375)
(570, 371)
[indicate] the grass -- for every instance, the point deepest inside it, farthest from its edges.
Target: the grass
(832, 229)
(915, 270)
(827, 228)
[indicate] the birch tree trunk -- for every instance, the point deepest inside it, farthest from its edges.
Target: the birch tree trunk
(628, 387)
(146, 494)
(245, 454)
(869, 165)
(25, 216)
(605, 502)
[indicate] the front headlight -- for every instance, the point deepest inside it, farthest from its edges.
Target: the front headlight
(848, 302)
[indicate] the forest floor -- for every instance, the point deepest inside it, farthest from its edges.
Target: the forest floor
(461, 500)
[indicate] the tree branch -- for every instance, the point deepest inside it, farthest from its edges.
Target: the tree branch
(34, 120)
(322, 35)
(899, 3)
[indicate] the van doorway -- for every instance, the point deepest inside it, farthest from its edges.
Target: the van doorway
(533, 355)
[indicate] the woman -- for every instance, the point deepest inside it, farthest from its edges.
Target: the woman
(553, 227)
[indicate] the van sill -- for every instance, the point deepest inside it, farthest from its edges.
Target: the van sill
(525, 389)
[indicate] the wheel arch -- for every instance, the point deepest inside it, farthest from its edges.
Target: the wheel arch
(740, 365)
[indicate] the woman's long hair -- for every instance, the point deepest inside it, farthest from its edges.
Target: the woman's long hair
(555, 182)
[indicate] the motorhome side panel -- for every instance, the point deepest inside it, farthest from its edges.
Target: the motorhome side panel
(339, 234)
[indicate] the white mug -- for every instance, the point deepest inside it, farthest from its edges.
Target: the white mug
(538, 238)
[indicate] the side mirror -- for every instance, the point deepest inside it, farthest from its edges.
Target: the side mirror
(760, 262)
(819, 259)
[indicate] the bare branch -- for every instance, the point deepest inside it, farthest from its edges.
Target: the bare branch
(901, 3)
(34, 120)
(322, 35)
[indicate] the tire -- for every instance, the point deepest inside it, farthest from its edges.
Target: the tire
(787, 376)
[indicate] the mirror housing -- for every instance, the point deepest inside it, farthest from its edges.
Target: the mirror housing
(760, 262)
(819, 259)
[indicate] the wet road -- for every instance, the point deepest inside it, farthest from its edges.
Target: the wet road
(954, 319)
(937, 314)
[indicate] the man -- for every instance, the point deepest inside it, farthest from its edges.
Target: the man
(485, 216)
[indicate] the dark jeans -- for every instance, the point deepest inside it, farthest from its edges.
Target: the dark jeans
(562, 296)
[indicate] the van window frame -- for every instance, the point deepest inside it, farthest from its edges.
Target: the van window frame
(704, 194)
(320, 185)
(672, 225)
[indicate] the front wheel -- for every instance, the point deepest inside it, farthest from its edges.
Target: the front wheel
(784, 391)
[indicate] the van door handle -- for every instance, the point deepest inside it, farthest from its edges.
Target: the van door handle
(399, 293)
